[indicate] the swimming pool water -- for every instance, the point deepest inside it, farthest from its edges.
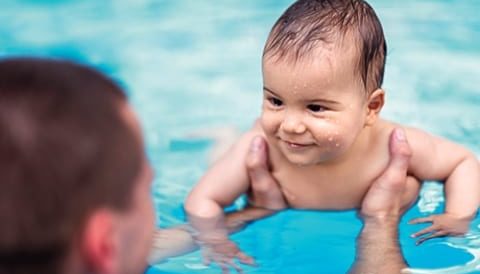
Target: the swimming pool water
(195, 65)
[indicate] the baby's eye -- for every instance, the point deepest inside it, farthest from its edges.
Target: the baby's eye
(275, 102)
(316, 108)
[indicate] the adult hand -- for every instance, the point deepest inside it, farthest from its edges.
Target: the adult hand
(265, 199)
(393, 192)
(390, 195)
(377, 249)
(382, 199)
(265, 191)
(265, 195)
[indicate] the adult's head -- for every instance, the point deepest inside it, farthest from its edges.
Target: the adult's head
(74, 180)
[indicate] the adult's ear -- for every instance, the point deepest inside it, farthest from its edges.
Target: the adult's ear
(375, 104)
(99, 247)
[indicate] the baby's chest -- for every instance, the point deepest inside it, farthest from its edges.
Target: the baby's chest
(304, 190)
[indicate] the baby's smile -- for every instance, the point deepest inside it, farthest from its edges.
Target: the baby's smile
(297, 145)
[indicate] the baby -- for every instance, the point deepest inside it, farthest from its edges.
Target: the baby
(323, 67)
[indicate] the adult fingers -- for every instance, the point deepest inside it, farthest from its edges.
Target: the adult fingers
(394, 176)
(383, 199)
(400, 151)
(257, 165)
(265, 191)
(256, 157)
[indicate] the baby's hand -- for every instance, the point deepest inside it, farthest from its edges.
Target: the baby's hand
(224, 252)
(446, 224)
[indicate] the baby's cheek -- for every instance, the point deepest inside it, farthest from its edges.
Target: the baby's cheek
(269, 122)
(330, 135)
(333, 140)
(341, 141)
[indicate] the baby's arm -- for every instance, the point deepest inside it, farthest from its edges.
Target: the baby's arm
(435, 158)
(265, 195)
(225, 181)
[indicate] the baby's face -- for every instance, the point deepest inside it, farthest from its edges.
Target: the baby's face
(313, 110)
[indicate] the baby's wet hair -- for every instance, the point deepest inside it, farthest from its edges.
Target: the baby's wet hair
(307, 24)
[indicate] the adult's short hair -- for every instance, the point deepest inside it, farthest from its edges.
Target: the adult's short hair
(65, 150)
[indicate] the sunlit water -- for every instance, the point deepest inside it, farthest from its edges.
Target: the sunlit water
(195, 65)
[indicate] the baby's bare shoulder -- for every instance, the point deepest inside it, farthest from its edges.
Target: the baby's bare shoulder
(237, 145)
(232, 142)
(417, 138)
(428, 159)
(246, 138)
(414, 135)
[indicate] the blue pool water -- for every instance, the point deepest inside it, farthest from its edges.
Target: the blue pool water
(195, 65)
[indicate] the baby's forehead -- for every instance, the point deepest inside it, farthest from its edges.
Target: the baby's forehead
(344, 47)
(339, 54)
(328, 71)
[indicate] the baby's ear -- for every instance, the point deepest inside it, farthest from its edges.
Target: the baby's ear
(374, 104)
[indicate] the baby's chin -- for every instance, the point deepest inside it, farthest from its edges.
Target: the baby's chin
(309, 160)
(302, 161)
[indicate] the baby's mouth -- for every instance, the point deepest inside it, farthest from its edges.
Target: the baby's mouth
(296, 145)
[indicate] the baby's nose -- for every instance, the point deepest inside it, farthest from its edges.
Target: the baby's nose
(292, 123)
